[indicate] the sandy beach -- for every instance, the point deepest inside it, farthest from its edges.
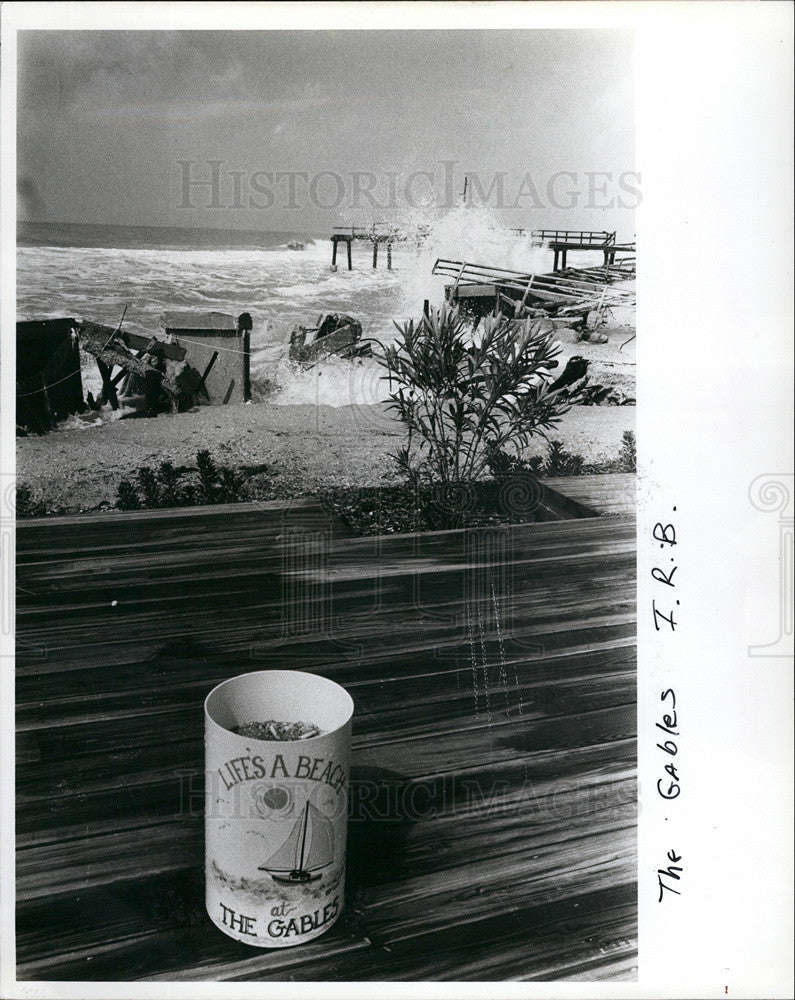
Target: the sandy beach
(306, 448)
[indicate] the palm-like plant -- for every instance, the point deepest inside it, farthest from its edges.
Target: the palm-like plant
(462, 398)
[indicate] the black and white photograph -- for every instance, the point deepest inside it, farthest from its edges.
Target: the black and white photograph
(370, 380)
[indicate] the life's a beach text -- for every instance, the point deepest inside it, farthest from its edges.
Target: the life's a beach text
(252, 768)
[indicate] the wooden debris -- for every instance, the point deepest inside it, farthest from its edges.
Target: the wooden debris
(335, 334)
(108, 388)
(572, 293)
(109, 348)
(215, 333)
(207, 370)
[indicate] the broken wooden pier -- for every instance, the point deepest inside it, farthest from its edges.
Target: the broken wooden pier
(351, 234)
(376, 234)
(560, 241)
(569, 296)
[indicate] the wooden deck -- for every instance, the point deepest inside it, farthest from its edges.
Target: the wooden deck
(605, 493)
(492, 830)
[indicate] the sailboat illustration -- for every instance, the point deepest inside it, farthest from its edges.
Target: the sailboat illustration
(308, 847)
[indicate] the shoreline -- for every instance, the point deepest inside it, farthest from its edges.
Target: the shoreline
(305, 448)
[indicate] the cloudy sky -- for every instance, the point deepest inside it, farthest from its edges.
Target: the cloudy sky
(113, 127)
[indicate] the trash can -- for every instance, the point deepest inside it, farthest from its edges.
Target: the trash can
(277, 756)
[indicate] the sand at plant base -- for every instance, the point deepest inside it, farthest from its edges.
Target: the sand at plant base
(307, 447)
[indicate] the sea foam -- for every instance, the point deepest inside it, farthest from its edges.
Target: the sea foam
(279, 287)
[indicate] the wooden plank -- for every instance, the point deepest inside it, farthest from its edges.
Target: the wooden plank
(60, 646)
(498, 742)
(440, 827)
(460, 693)
(115, 934)
(542, 943)
(173, 351)
(251, 515)
(303, 556)
(153, 798)
(405, 654)
(607, 493)
(545, 550)
(263, 633)
(493, 773)
(541, 544)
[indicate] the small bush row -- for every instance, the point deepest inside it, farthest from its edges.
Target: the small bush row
(167, 486)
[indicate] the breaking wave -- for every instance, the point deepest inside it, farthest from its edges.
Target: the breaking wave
(279, 286)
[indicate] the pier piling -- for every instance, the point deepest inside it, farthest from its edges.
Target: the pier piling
(560, 241)
(335, 241)
(375, 234)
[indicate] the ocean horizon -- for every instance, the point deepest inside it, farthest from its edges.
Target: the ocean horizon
(114, 236)
(105, 272)
(102, 273)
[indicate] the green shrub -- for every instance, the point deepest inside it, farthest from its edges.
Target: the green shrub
(26, 505)
(170, 487)
(208, 476)
(627, 455)
(503, 464)
(149, 488)
(171, 493)
(560, 462)
(462, 399)
(126, 496)
(230, 486)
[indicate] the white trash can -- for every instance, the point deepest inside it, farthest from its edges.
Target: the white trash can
(276, 811)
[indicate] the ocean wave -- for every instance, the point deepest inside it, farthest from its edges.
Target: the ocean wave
(280, 287)
(335, 382)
